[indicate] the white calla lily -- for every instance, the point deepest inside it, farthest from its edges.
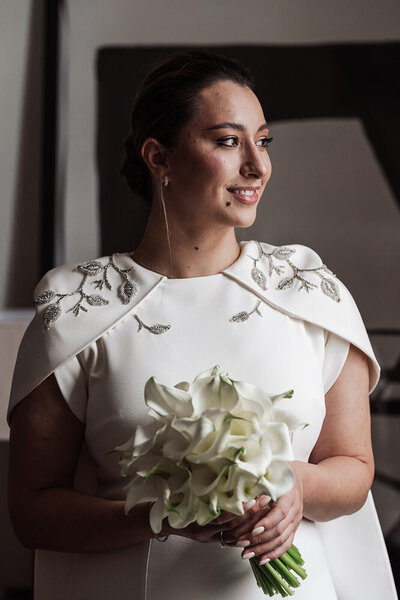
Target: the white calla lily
(165, 401)
(279, 479)
(211, 390)
(214, 444)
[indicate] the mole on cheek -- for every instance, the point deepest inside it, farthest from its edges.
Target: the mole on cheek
(228, 203)
(196, 247)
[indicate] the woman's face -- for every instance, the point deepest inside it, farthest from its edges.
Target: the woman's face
(221, 165)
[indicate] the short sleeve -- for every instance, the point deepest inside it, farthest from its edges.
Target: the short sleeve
(336, 352)
(71, 379)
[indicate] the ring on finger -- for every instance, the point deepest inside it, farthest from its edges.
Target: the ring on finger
(222, 542)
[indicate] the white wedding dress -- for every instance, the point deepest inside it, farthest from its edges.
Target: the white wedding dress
(255, 323)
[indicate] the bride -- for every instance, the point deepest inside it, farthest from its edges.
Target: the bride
(190, 297)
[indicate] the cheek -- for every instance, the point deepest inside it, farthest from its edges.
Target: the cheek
(207, 168)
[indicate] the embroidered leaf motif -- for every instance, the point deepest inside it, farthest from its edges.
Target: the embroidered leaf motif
(244, 315)
(127, 290)
(51, 314)
(45, 297)
(96, 300)
(158, 328)
(286, 283)
(259, 277)
(331, 289)
(283, 253)
(239, 317)
(77, 308)
(90, 268)
(306, 285)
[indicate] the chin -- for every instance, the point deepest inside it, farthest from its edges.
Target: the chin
(245, 220)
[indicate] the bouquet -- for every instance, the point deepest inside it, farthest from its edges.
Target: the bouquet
(213, 445)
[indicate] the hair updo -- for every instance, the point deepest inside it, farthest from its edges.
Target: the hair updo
(166, 101)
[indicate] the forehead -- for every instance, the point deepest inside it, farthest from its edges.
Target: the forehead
(228, 101)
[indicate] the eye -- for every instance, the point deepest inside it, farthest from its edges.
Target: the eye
(228, 141)
(264, 142)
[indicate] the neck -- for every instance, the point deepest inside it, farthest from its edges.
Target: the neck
(191, 251)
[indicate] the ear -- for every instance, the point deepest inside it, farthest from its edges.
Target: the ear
(155, 156)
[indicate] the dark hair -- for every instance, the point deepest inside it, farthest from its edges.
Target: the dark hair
(166, 101)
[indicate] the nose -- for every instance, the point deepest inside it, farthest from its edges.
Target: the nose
(255, 162)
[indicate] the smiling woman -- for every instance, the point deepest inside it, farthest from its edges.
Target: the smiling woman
(190, 297)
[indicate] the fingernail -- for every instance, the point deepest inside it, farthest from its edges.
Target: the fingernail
(264, 561)
(249, 504)
(248, 555)
(264, 501)
(258, 530)
(243, 544)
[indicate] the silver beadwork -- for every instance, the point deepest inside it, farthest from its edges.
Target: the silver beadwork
(328, 286)
(244, 315)
(258, 276)
(157, 329)
(45, 297)
(51, 314)
(126, 291)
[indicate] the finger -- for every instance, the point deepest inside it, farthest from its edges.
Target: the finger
(244, 527)
(276, 552)
(260, 532)
(267, 548)
(245, 524)
(280, 512)
(262, 535)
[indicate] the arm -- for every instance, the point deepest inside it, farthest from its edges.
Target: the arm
(340, 470)
(45, 510)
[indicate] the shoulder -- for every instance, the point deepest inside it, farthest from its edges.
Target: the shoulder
(298, 267)
(76, 288)
(294, 279)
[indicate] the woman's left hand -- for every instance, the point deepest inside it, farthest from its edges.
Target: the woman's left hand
(273, 534)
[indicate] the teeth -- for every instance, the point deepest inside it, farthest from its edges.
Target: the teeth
(245, 192)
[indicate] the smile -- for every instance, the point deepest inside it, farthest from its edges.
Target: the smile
(246, 195)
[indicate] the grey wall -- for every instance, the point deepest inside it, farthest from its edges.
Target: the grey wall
(303, 178)
(326, 191)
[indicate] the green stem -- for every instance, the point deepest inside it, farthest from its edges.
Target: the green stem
(291, 564)
(262, 581)
(286, 574)
(295, 554)
(278, 578)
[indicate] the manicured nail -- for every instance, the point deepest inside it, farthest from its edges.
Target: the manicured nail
(249, 504)
(248, 555)
(264, 501)
(258, 530)
(264, 561)
(243, 544)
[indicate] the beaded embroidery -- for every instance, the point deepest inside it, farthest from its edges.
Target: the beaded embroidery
(157, 329)
(244, 315)
(328, 286)
(126, 291)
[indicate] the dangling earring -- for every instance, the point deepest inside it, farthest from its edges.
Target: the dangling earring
(166, 180)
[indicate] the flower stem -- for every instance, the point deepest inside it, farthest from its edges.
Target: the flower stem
(276, 577)
(291, 564)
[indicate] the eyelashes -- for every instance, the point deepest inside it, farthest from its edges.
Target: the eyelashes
(232, 141)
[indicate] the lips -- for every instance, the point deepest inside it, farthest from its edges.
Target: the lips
(246, 195)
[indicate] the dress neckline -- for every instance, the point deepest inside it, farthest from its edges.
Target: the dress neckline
(199, 278)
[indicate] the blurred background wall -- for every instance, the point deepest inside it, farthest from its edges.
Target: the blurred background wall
(327, 189)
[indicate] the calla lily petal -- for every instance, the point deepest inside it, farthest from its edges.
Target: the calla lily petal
(165, 400)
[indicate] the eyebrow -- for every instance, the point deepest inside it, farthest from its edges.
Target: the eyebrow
(237, 126)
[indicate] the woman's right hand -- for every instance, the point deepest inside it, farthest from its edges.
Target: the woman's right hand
(226, 522)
